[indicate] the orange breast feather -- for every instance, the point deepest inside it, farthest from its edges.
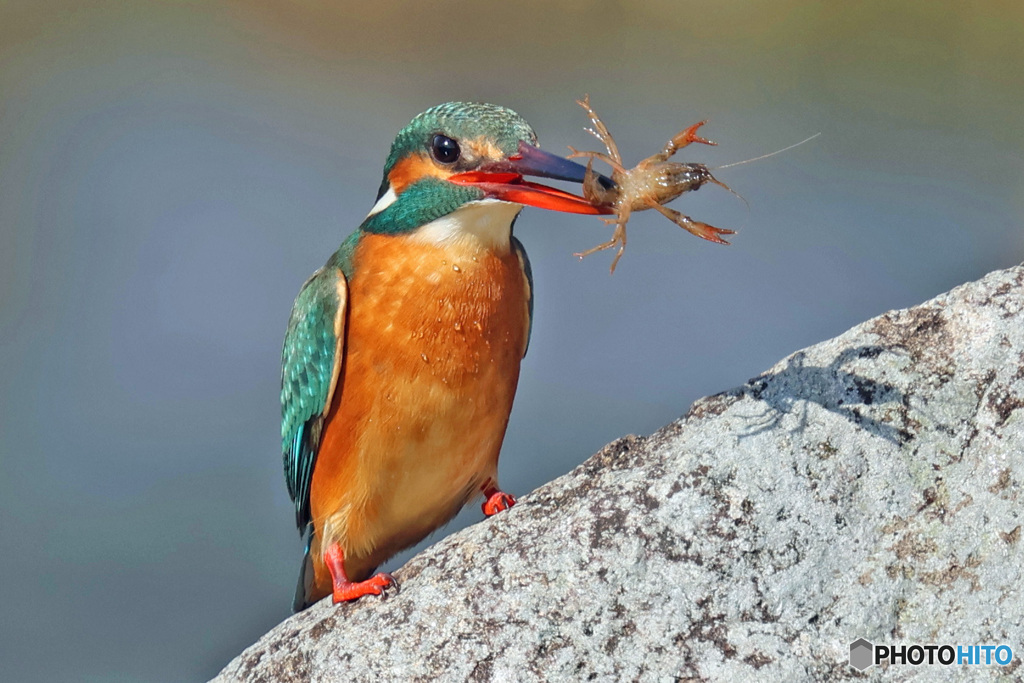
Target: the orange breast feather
(434, 341)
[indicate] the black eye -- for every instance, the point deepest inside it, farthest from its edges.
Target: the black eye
(445, 149)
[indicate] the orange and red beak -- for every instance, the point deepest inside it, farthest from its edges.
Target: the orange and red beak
(504, 180)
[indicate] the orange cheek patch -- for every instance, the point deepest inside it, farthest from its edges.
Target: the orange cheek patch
(418, 166)
(413, 168)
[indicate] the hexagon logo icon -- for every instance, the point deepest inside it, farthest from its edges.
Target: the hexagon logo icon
(861, 654)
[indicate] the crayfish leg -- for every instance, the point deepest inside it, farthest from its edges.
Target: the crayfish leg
(600, 131)
(618, 238)
(680, 140)
(702, 230)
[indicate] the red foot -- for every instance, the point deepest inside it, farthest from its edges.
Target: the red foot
(375, 585)
(497, 501)
(345, 590)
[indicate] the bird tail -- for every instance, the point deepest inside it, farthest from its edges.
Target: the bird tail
(304, 589)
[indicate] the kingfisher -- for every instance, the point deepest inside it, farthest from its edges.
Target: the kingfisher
(402, 353)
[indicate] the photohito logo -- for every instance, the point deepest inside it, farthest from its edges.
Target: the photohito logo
(864, 654)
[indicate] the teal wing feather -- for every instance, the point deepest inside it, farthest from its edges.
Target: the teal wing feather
(310, 367)
(528, 272)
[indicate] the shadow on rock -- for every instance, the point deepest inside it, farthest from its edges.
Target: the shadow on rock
(835, 389)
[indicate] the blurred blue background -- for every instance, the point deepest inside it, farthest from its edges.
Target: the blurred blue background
(171, 172)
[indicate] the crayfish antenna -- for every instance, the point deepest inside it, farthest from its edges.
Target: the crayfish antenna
(718, 182)
(763, 156)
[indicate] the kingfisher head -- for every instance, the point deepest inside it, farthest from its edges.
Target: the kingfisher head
(457, 171)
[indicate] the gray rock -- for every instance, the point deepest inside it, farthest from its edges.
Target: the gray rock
(868, 486)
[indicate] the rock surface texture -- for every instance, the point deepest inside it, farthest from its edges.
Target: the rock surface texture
(869, 486)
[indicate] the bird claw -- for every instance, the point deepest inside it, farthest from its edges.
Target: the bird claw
(388, 583)
(499, 501)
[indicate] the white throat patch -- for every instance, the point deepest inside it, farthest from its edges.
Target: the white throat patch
(484, 224)
(386, 200)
